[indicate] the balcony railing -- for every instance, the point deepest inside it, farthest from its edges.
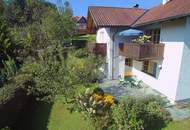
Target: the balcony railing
(98, 48)
(149, 51)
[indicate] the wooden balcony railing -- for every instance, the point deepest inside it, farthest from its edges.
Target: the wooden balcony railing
(98, 48)
(149, 51)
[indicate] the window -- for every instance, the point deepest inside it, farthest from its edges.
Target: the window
(155, 35)
(82, 26)
(129, 62)
(102, 36)
(150, 68)
(121, 46)
(145, 66)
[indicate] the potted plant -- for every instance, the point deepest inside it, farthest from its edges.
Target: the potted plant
(142, 39)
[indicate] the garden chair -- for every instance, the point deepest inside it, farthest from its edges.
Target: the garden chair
(133, 82)
(123, 82)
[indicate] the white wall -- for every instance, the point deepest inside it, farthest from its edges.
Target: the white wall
(183, 91)
(174, 78)
(172, 35)
(104, 35)
(166, 81)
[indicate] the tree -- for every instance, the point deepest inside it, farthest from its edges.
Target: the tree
(57, 72)
(66, 13)
(23, 12)
(8, 53)
(68, 19)
(67, 8)
(47, 68)
(1, 7)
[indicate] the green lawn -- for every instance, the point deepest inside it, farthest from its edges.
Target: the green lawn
(89, 38)
(60, 118)
(179, 125)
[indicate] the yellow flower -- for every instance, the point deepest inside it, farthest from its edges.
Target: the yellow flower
(97, 97)
(109, 99)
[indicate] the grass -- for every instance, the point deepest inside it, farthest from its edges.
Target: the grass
(59, 118)
(89, 38)
(179, 125)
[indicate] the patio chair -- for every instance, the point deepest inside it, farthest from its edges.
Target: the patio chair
(123, 82)
(134, 82)
(137, 84)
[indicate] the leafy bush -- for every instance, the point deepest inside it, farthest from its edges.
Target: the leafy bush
(128, 114)
(57, 72)
(81, 53)
(139, 114)
(8, 52)
(8, 71)
(85, 69)
(96, 105)
(6, 94)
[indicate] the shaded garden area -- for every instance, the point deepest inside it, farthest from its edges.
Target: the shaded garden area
(46, 83)
(56, 116)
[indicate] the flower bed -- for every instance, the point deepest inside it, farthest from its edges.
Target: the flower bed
(106, 113)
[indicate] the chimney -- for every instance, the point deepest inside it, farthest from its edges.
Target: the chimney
(165, 1)
(136, 6)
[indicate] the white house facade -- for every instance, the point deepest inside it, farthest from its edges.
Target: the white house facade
(164, 64)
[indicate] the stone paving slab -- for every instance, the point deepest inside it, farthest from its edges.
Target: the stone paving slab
(118, 91)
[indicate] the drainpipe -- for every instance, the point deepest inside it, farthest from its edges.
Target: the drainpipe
(113, 47)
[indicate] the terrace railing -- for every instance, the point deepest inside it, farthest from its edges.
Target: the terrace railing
(149, 51)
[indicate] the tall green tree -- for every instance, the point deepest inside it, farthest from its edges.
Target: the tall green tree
(1, 7)
(66, 18)
(41, 30)
(57, 72)
(8, 52)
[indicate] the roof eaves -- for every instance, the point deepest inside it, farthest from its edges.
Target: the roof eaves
(115, 7)
(95, 22)
(161, 20)
(139, 17)
(113, 26)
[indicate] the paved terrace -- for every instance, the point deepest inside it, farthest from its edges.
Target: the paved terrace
(178, 111)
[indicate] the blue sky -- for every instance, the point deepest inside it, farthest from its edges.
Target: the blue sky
(80, 7)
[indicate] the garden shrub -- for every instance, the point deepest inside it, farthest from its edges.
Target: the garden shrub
(6, 94)
(96, 105)
(139, 114)
(131, 113)
(81, 53)
(153, 98)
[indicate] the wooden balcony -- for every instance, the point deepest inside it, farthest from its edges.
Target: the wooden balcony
(149, 51)
(98, 48)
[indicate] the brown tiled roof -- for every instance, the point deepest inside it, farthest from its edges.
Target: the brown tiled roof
(115, 16)
(78, 18)
(172, 9)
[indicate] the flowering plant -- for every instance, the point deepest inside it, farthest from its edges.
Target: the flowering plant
(95, 102)
(142, 39)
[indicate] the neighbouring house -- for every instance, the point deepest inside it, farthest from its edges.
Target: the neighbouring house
(164, 63)
(81, 24)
